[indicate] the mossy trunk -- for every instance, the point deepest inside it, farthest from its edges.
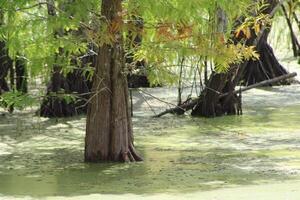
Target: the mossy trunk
(109, 133)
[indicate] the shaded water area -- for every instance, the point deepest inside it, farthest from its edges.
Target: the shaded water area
(42, 158)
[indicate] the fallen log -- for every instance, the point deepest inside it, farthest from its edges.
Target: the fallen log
(192, 103)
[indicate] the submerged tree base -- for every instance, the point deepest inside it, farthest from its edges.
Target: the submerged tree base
(123, 156)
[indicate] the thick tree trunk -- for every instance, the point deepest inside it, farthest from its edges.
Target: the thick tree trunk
(109, 135)
(53, 105)
(267, 67)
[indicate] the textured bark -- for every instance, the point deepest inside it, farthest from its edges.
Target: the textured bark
(109, 135)
(210, 106)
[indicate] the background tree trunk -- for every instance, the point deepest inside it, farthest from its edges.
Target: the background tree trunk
(255, 71)
(54, 105)
(5, 63)
(21, 75)
(267, 67)
(74, 83)
(109, 135)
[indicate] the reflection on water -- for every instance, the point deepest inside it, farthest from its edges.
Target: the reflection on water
(42, 157)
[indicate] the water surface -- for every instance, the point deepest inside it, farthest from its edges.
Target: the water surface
(42, 158)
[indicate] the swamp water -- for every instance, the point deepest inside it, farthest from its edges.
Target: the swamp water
(184, 157)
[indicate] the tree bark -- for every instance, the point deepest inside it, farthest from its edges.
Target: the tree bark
(109, 134)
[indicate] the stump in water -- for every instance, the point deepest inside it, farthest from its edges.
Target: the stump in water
(210, 105)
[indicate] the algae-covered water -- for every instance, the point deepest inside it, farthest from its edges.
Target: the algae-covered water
(43, 158)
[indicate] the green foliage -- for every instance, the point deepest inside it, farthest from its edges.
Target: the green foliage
(17, 100)
(177, 28)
